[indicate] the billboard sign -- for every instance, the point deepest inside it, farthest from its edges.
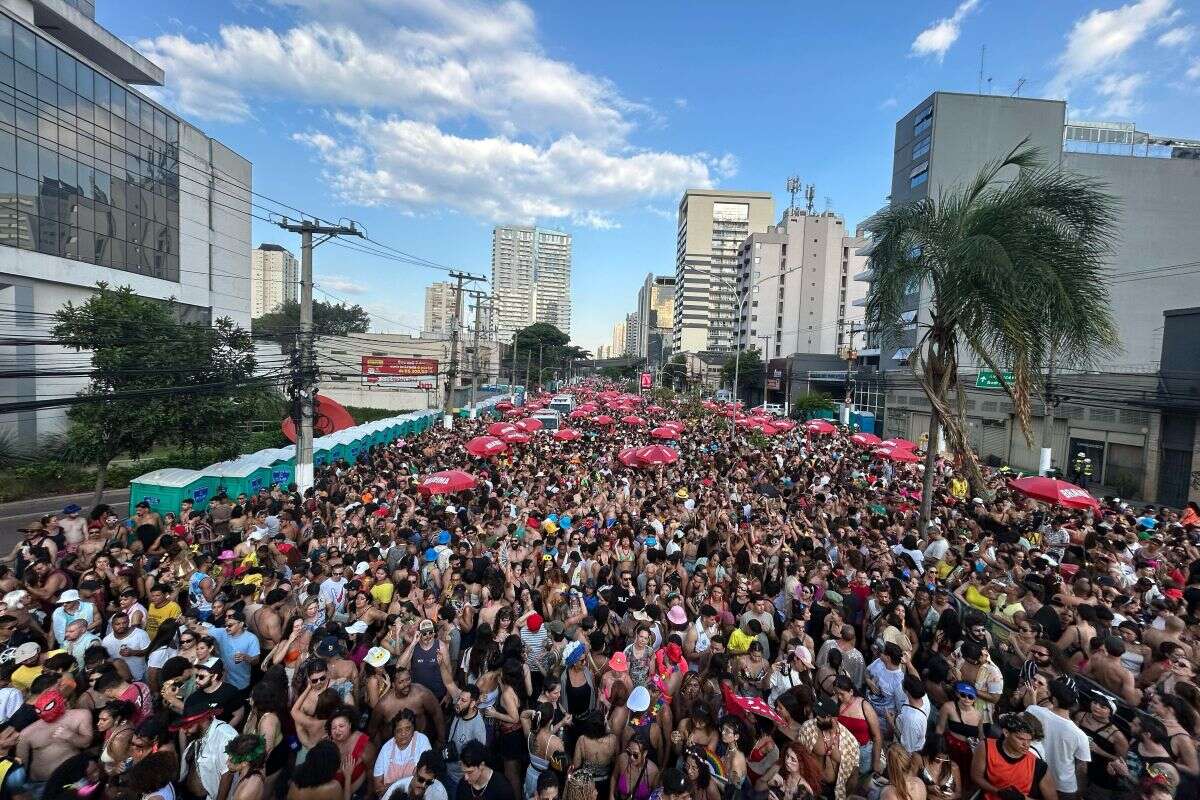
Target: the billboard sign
(647, 380)
(397, 372)
(777, 374)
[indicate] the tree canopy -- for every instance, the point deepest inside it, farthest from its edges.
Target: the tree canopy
(749, 372)
(329, 319)
(542, 344)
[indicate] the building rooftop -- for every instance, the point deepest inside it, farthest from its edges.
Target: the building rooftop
(65, 22)
(278, 248)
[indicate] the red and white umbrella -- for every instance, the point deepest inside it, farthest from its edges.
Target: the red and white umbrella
(866, 440)
(578, 413)
(656, 454)
(486, 446)
(675, 425)
(664, 432)
(633, 421)
(513, 413)
(819, 427)
(567, 434)
(1052, 490)
(905, 443)
(517, 437)
(743, 706)
(655, 410)
(899, 454)
(501, 428)
(783, 425)
(448, 482)
(628, 457)
(503, 405)
(530, 425)
(604, 419)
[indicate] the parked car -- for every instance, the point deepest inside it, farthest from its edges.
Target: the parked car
(775, 409)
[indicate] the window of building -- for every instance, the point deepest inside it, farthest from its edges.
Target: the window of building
(919, 175)
(920, 147)
(923, 121)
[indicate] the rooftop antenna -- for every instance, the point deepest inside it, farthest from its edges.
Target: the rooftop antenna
(809, 193)
(793, 186)
(828, 203)
(982, 53)
(1017, 91)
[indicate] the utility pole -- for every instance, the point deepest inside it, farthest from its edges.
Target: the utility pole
(528, 359)
(851, 355)
(1045, 460)
(304, 375)
(512, 369)
(478, 297)
(448, 400)
(765, 340)
(540, 346)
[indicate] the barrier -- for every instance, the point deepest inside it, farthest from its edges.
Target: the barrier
(165, 489)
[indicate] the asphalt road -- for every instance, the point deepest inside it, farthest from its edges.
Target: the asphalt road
(20, 513)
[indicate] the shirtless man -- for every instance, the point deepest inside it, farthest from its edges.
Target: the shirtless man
(45, 583)
(74, 527)
(58, 734)
(406, 694)
(1106, 669)
(266, 621)
(1173, 632)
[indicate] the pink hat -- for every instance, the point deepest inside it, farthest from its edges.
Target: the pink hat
(618, 662)
(226, 555)
(677, 616)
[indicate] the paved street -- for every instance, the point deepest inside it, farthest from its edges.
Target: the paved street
(17, 514)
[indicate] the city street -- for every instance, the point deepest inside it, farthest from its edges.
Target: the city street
(16, 515)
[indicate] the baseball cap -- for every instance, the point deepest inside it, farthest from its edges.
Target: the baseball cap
(425, 626)
(639, 700)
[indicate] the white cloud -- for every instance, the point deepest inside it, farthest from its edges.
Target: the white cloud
(938, 37)
(681, 102)
(1178, 37)
(416, 166)
(1119, 93)
(437, 104)
(1193, 72)
(341, 284)
(890, 102)
(1098, 39)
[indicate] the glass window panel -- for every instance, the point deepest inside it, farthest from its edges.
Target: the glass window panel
(47, 235)
(160, 208)
(66, 70)
(66, 138)
(101, 249)
(26, 121)
(6, 71)
(160, 124)
(47, 90)
(71, 234)
(87, 179)
(116, 126)
(103, 153)
(87, 245)
(47, 164)
(116, 220)
(68, 171)
(172, 130)
(145, 259)
(117, 104)
(8, 115)
(27, 192)
(102, 218)
(47, 130)
(66, 101)
(173, 212)
(147, 203)
(6, 36)
(8, 188)
(26, 83)
(85, 81)
(102, 190)
(116, 193)
(27, 229)
(85, 110)
(8, 151)
(133, 106)
(103, 119)
(103, 93)
(117, 254)
(27, 158)
(172, 268)
(147, 117)
(47, 59)
(132, 229)
(24, 49)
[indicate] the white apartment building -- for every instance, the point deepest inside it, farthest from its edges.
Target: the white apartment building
(274, 279)
(712, 225)
(796, 285)
(632, 335)
(619, 336)
(531, 279)
(100, 183)
(439, 308)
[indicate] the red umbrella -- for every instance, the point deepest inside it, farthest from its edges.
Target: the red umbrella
(710, 405)
(655, 410)
(657, 454)
(633, 420)
(517, 437)
(819, 427)
(501, 428)
(587, 408)
(566, 434)
(628, 457)
(905, 443)
(604, 419)
(748, 422)
(485, 446)
(1052, 490)
(866, 439)
(675, 425)
(896, 454)
(513, 413)
(783, 425)
(743, 706)
(448, 482)
(664, 432)
(503, 405)
(530, 425)
(768, 430)
(578, 413)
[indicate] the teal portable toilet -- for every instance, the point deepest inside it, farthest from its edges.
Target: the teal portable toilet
(240, 476)
(339, 446)
(166, 489)
(322, 451)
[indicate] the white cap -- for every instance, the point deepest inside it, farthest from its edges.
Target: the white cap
(356, 628)
(69, 596)
(362, 568)
(26, 651)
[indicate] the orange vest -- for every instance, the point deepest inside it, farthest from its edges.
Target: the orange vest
(1003, 773)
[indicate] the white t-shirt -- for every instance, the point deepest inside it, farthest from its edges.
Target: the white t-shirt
(394, 764)
(912, 724)
(333, 592)
(1064, 744)
(936, 549)
(10, 700)
(136, 639)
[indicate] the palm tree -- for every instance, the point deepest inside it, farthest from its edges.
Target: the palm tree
(1010, 269)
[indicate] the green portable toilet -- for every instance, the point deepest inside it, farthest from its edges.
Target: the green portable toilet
(322, 451)
(166, 489)
(240, 476)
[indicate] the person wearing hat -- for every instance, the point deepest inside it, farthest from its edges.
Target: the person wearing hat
(71, 607)
(73, 526)
(239, 647)
(833, 746)
(422, 657)
(204, 762)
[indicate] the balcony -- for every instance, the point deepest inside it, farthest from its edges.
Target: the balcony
(859, 303)
(866, 275)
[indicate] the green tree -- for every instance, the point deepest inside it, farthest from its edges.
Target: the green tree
(329, 319)
(749, 367)
(674, 373)
(809, 405)
(543, 346)
(1013, 265)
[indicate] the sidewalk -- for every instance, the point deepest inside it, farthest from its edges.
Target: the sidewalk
(20, 513)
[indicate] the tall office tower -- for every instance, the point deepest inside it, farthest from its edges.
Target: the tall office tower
(274, 279)
(104, 184)
(712, 225)
(656, 299)
(617, 348)
(632, 334)
(439, 307)
(531, 279)
(796, 285)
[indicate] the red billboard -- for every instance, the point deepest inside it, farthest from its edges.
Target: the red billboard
(647, 380)
(387, 369)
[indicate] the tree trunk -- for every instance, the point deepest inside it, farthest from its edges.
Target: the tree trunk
(931, 452)
(101, 477)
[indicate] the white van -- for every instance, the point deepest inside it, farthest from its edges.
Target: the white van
(562, 403)
(551, 420)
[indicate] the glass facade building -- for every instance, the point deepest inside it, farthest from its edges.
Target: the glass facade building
(89, 170)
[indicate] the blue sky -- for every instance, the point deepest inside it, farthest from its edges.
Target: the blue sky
(431, 120)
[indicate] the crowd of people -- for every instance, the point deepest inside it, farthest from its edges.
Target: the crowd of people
(765, 617)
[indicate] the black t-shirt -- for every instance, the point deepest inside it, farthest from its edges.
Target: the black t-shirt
(225, 697)
(498, 788)
(816, 622)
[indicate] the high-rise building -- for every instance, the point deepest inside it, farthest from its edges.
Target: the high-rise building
(712, 225)
(1112, 413)
(531, 279)
(656, 299)
(618, 340)
(103, 184)
(796, 285)
(439, 308)
(632, 334)
(274, 279)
